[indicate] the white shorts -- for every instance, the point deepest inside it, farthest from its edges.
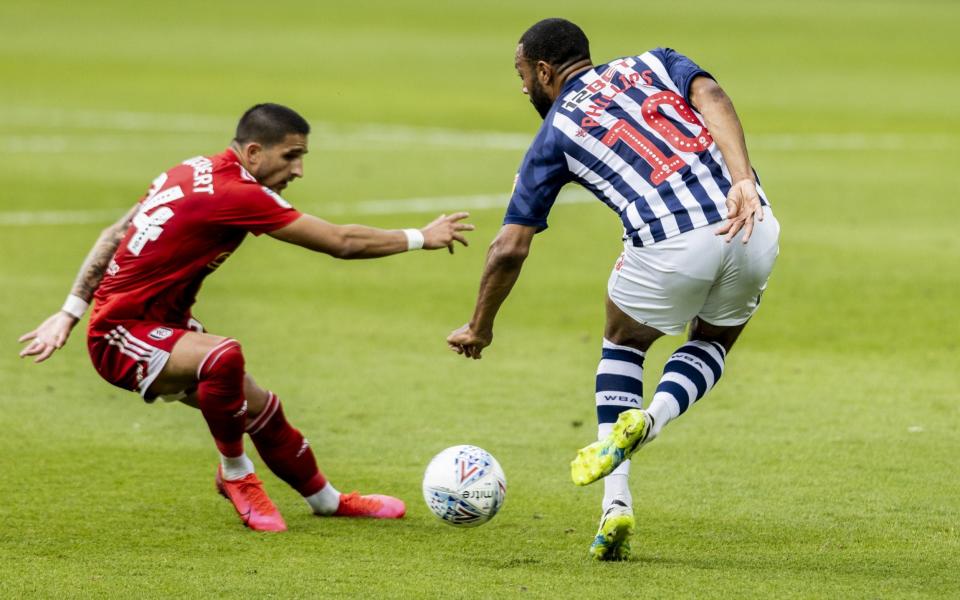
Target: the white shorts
(695, 274)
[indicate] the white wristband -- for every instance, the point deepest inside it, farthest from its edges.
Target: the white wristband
(75, 306)
(414, 239)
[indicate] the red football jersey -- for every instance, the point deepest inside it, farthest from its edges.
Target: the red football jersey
(192, 218)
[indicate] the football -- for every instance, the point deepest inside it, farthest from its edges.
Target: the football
(464, 486)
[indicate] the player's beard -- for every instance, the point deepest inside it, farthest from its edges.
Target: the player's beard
(539, 99)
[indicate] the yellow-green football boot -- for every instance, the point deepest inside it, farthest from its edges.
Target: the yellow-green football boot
(613, 537)
(631, 431)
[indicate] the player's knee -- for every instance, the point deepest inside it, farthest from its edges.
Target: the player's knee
(623, 340)
(640, 340)
(623, 330)
(700, 330)
(224, 361)
(232, 360)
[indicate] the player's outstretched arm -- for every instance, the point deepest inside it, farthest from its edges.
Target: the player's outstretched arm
(504, 261)
(743, 201)
(52, 334)
(360, 241)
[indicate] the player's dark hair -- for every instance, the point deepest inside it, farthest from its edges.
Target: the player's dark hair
(558, 42)
(268, 124)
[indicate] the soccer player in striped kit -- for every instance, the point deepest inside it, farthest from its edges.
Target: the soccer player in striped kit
(657, 140)
(144, 274)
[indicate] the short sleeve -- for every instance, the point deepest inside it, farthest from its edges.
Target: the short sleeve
(681, 69)
(542, 173)
(255, 208)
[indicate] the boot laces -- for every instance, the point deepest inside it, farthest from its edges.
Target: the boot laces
(253, 490)
(356, 503)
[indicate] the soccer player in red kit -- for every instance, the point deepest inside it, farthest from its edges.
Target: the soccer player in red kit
(143, 275)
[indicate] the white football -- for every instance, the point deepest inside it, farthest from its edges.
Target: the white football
(464, 486)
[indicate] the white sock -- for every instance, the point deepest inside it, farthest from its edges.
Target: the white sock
(616, 484)
(236, 467)
(325, 502)
(663, 410)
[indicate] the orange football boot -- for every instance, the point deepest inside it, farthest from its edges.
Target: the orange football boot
(255, 508)
(374, 506)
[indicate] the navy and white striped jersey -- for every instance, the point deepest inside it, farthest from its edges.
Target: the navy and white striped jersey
(626, 132)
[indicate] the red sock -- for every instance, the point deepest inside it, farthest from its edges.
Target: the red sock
(220, 396)
(284, 449)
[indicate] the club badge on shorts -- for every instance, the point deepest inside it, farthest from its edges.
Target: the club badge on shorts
(160, 333)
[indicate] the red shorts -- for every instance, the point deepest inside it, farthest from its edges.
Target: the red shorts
(131, 354)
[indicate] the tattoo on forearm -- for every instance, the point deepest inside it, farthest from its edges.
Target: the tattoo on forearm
(95, 265)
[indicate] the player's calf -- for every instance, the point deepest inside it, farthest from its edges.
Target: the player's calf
(692, 371)
(284, 449)
(619, 387)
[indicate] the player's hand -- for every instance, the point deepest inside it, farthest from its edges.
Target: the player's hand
(743, 207)
(444, 230)
(468, 343)
(49, 337)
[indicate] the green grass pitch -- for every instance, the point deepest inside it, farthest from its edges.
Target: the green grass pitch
(823, 466)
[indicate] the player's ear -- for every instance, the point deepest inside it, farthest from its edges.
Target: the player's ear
(252, 152)
(544, 72)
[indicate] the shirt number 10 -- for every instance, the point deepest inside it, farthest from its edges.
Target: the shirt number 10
(662, 165)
